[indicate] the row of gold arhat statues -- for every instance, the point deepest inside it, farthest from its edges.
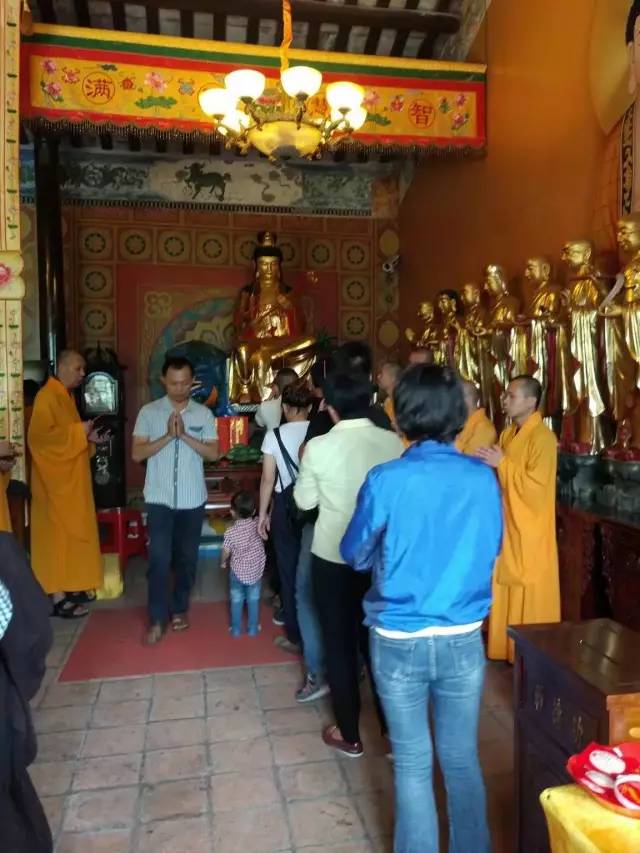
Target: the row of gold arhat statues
(582, 341)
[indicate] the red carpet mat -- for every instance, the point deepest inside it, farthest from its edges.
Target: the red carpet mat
(110, 646)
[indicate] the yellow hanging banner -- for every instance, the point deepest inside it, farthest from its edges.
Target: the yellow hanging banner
(128, 81)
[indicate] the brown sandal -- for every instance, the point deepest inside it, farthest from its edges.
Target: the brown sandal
(179, 622)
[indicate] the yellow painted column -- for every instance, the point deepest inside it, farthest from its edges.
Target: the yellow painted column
(11, 283)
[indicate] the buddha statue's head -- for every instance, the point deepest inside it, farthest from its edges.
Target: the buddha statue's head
(267, 258)
(628, 234)
(447, 302)
(577, 254)
(495, 280)
(537, 271)
(471, 295)
(632, 39)
(426, 311)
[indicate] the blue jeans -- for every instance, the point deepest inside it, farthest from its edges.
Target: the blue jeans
(174, 540)
(312, 645)
(239, 593)
(448, 673)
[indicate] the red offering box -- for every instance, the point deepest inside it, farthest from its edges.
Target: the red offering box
(611, 775)
(232, 430)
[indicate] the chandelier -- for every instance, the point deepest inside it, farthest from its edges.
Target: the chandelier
(291, 124)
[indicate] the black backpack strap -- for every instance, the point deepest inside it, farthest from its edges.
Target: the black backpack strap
(292, 468)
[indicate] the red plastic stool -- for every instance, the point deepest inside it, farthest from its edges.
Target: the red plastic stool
(122, 532)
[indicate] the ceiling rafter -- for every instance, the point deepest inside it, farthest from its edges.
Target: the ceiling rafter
(345, 15)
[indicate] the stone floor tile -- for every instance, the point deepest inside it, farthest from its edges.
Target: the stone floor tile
(58, 695)
(496, 756)
(120, 713)
(350, 847)
(370, 773)
(219, 679)
(177, 707)
(181, 684)
(233, 791)
(107, 772)
(297, 749)
(172, 733)
(489, 727)
(186, 798)
(169, 764)
(184, 835)
(113, 808)
(232, 700)
(59, 746)
(120, 740)
(305, 781)
(251, 831)
(126, 689)
(278, 696)
(244, 756)
(245, 725)
(376, 809)
(61, 719)
(58, 652)
(327, 821)
(280, 673)
(95, 842)
(53, 807)
(52, 777)
(291, 721)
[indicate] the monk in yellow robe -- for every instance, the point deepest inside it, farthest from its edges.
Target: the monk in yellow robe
(526, 585)
(478, 431)
(65, 549)
(5, 476)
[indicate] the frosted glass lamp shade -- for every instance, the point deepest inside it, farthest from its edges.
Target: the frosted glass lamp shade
(356, 117)
(345, 96)
(216, 102)
(236, 121)
(301, 81)
(245, 83)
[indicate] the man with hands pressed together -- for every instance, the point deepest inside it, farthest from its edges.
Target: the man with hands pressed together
(174, 436)
(526, 586)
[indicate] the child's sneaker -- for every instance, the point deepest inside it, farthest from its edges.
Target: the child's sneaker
(312, 689)
(235, 632)
(253, 632)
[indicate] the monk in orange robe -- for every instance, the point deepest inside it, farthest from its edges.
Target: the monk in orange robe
(8, 453)
(526, 585)
(65, 549)
(478, 431)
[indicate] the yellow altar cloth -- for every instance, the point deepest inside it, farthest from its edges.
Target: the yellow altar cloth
(579, 824)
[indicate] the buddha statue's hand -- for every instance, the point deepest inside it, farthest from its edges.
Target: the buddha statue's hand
(410, 335)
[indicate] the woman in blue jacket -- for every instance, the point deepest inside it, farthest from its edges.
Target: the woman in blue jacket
(429, 526)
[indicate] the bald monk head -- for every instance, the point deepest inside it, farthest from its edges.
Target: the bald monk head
(421, 355)
(471, 396)
(70, 368)
(522, 398)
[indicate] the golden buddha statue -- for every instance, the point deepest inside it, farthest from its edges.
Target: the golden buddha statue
(473, 347)
(549, 316)
(509, 345)
(621, 311)
(582, 428)
(269, 329)
(447, 328)
(428, 339)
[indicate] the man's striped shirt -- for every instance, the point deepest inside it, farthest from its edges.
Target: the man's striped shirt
(175, 475)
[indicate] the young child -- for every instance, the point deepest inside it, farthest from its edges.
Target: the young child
(243, 552)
